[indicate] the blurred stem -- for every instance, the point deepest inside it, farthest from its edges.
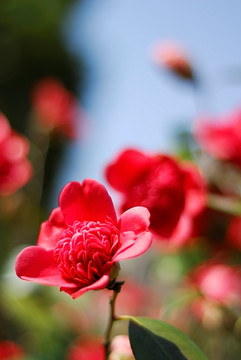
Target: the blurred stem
(40, 142)
(116, 287)
(227, 205)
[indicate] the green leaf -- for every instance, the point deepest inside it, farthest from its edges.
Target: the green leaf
(146, 345)
(186, 347)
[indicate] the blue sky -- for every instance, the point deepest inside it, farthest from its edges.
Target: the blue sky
(128, 101)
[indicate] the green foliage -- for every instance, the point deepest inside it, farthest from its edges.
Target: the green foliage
(155, 339)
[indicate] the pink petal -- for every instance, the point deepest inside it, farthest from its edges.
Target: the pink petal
(142, 243)
(51, 230)
(129, 165)
(136, 219)
(37, 264)
(99, 284)
(135, 238)
(87, 201)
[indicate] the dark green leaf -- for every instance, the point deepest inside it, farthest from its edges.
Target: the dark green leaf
(162, 329)
(146, 345)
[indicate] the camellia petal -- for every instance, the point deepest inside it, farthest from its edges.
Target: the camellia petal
(51, 230)
(37, 264)
(98, 285)
(131, 163)
(136, 219)
(142, 244)
(87, 201)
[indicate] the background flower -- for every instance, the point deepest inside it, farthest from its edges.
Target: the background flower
(219, 282)
(174, 59)
(55, 107)
(153, 181)
(86, 348)
(9, 350)
(15, 169)
(121, 348)
(221, 136)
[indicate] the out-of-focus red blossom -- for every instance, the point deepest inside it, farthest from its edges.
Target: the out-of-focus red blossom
(15, 169)
(195, 190)
(121, 348)
(221, 136)
(55, 107)
(219, 283)
(173, 58)
(86, 349)
(153, 181)
(79, 247)
(234, 233)
(10, 351)
(174, 193)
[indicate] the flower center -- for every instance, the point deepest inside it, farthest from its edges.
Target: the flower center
(85, 250)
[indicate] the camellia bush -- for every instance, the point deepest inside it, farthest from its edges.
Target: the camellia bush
(178, 214)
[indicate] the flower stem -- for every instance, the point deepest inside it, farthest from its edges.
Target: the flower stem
(116, 287)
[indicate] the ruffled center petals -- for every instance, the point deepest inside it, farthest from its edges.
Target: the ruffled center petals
(87, 201)
(37, 264)
(85, 251)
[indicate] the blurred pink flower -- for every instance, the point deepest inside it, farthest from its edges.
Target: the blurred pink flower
(121, 348)
(173, 58)
(219, 283)
(153, 181)
(222, 138)
(9, 350)
(15, 169)
(55, 107)
(86, 348)
(79, 247)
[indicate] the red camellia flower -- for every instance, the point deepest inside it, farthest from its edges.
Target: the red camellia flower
(10, 351)
(219, 282)
(221, 138)
(153, 181)
(174, 59)
(55, 107)
(80, 244)
(15, 169)
(86, 349)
